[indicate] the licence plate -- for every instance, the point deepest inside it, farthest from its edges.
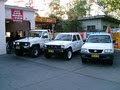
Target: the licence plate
(95, 56)
(51, 51)
(17, 47)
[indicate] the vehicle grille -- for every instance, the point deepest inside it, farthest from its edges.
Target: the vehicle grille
(95, 51)
(53, 46)
(21, 44)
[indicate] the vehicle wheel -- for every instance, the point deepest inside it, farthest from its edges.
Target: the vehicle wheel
(47, 55)
(110, 62)
(8, 50)
(18, 53)
(68, 55)
(84, 60)
(35, 52)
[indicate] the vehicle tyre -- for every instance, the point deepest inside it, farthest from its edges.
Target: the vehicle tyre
(47, 55)
(8, 50)
(84, 60)
(35, 52)
(110, 62)
(68, 54)
(18, 53)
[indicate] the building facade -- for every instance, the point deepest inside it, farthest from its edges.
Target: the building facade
(14, 20)
(100, 22)
(2, 28)
(19, 20)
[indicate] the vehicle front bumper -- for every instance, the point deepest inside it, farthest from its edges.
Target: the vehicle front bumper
(55, 51)
(22, 48)
(88, 56)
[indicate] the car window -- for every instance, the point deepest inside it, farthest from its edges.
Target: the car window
(34, 34)
(63, 37)
(99, 39)
(78, 37)
(45, 34)
(74, 38)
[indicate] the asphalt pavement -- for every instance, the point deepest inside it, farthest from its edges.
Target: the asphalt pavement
(26, 73)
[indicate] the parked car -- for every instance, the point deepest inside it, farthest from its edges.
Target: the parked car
(33, 43)
(98, 47)
(64, 44)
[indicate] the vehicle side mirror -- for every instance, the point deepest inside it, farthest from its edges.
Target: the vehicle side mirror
(52, 38)
(114, 41)
(84, 40)
(45, 36)
(73, 40)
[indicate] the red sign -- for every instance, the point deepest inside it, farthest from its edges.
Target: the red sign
(82, 34)
(17, 15)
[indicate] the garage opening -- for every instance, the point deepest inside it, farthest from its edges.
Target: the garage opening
(16, 30)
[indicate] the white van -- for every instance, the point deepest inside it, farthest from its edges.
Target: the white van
(98, 47)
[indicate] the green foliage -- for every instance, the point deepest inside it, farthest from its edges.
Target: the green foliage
(56, 9)
(71, 26)
(78, 8)
(110, 7)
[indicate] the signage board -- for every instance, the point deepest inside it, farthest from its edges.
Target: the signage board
(17, 15)
(45, 20)
(116, 36)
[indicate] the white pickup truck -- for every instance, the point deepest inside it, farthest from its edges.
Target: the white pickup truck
(33, 43)
(64, 44)
(98, 47)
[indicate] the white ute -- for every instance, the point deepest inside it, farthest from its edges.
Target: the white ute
(98, 47)
(33, 43)
(64, 44)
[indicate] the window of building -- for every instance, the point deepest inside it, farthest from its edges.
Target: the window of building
(91, 27)
(104, 27)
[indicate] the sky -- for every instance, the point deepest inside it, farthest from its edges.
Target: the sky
(43, 6)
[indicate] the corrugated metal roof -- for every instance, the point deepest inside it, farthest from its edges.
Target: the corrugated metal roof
(20, 8)
(105, 17)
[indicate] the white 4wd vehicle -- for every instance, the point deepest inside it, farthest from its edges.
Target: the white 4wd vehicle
(98, 47)
(33, 43)
(64, 44)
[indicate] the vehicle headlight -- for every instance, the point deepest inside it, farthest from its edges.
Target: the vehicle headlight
(17, 43)
(83, 50)
(13, 43)
(26, 44)
(62, 46)
(108, 51)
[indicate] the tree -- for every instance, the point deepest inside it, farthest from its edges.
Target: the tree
(110, 7)
(78, 8)
(57, 12)
(56, 9)
(71, 26)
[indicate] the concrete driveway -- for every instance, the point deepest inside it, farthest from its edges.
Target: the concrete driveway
(25, 73)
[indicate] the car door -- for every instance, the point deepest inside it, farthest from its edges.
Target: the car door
(45, 38)
(74, 42)
(79, 42)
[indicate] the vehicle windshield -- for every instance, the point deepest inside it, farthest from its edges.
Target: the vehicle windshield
(64, 37)
(99, 39)
(34, 34)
